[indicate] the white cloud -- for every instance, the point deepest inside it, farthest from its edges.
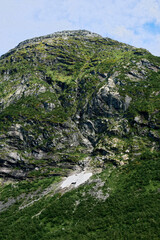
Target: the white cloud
(122, 33)
(147, 10)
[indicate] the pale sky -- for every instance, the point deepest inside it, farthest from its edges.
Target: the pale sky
(136, 22)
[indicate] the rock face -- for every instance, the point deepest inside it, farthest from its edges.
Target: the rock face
(72, 95)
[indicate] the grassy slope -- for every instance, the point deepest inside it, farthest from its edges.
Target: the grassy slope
(70, 65)
(130, 212)
(60, 63)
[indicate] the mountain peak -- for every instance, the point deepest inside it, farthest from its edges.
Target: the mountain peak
(61, 34)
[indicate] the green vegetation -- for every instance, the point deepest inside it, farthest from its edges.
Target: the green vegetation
(145, 96)
(130, 212)
(67, 101)
(66, 66)
(13, 190)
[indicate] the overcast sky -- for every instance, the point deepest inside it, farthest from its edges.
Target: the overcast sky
(136, 22)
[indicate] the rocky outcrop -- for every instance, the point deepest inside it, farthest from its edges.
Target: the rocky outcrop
(72, 95)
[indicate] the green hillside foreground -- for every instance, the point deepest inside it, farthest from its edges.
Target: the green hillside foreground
(72, 102)
(130, 212)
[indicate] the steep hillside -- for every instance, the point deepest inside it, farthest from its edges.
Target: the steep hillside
(74, 103)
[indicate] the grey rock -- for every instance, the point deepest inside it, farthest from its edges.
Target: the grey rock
(97, 191)
(127, 101)
(4, 206)
(150, 65)
(135, 75)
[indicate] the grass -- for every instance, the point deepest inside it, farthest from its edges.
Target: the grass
(13, 190)
(130, 212)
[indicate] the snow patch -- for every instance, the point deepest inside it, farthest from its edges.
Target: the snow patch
(76, 179)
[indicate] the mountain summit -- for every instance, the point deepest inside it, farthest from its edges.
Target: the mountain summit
(61, 34)
(79, 113)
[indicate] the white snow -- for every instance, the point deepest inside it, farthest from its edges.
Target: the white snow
(76, 179)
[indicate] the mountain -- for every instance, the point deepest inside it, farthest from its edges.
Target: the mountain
(79, 139)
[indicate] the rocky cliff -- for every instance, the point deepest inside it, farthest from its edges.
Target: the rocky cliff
(74, 95)
(79, 139)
